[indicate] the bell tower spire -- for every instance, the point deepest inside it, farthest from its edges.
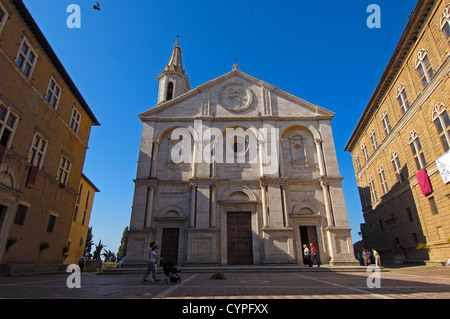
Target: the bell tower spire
(173, 81)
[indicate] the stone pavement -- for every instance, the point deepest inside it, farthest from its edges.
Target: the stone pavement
(420, 282)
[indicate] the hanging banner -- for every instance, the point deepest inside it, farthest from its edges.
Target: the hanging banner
(443, 164)
(424, 181)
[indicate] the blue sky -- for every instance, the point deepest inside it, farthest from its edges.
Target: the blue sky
(320, 51)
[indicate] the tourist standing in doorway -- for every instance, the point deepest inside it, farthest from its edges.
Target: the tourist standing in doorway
(306, 255)
(313, 255)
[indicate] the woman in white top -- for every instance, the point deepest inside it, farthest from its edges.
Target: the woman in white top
(377, 258)
(306, 255)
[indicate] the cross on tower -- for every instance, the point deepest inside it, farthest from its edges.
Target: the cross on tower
(235, 65)
(178, 37)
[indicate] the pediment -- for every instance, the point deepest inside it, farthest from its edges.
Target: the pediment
(236, 94)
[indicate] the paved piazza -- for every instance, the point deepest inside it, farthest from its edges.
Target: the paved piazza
(421, 282)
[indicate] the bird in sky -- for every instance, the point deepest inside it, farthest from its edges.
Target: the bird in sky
(97, 6)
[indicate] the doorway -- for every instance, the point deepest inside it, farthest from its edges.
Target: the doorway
(239, 238)
(308, 234)
(169, 245)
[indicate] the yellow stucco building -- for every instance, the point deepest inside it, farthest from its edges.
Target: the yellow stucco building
(44, 130)
(400, 146)
(80, 221)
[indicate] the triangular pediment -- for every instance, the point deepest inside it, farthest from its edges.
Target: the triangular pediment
(236, 94)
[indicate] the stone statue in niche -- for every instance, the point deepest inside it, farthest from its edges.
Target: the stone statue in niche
(298, 150)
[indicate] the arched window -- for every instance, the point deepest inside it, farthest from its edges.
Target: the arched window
(358, 162)
(383, 180)
(445, 21)
(424, 67)
(373, 137)
(364, 150)
(442, 123)
(402, 98)
(397, 167)
(416, 148)
(385, 121)
(169, 94)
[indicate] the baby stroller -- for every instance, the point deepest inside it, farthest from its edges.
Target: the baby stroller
(171, 272)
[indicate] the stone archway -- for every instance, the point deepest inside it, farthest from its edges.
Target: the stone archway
(10, 190)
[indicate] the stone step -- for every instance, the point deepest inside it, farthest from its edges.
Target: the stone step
(141, 268)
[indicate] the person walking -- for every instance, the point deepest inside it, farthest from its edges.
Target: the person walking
(313, 255)
(81, 263)
(151, 268)
(305, 255)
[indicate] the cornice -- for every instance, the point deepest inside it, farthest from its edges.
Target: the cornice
(416, 22)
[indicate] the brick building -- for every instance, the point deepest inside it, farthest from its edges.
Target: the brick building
(44, 130)
(400, 144)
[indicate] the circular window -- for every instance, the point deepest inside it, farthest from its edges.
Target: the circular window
(239, 148)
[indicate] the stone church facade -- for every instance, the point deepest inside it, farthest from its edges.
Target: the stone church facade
(236, 171)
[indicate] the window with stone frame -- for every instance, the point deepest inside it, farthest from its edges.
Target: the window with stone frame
(385, 121)
(3, 17)
(38, 149)
(416, 148)
(383, 180)
(51, 223)
(63, 170)
(75, 120)
(445, 21)
(442, 123)
(358, 162)
(21, 213)
(364, 150)
(373, 137)
(397, 167)
(373, 190)
(423, 66)
(53, 93)
(8, 124)
(402, 98)
(26, 58)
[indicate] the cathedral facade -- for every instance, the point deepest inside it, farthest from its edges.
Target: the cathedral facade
(236, 171)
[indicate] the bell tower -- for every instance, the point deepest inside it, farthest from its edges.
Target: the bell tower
(172, 81)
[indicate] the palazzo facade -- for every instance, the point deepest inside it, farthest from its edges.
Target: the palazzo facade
(236, 171)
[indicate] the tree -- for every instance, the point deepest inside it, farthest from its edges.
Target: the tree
(123, 245)
(109, 256)
(89, 242)
(98, 250)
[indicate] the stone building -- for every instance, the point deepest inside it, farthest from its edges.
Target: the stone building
(44, 130)
(400, 144)
(236, 171)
